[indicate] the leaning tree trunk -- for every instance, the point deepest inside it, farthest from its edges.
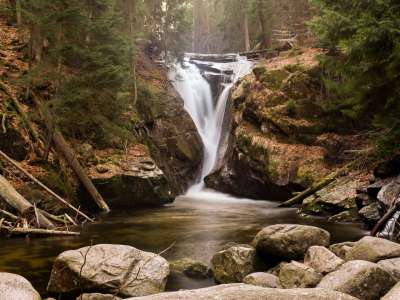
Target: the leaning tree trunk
(19, 203)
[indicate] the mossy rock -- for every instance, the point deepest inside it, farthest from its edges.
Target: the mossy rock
(273, 79)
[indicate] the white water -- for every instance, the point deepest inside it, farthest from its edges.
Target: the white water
(208, 118)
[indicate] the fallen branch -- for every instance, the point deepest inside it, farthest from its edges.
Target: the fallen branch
(19, 231)
(15, 164)
(69, 154)
(8, 215)
(385, 218)
(18, 202)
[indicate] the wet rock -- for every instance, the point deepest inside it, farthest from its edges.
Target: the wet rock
(392, 266)
(363, 199)
(336, 197)
(393, 294)
(111, 269)
(341, 249)
(190, 267)
(322, 260)
(266, 280)
(389, 193)
(371, 213)
(373, 249)
(240, 291)
(97, 296)
(298, 275)
(13, 286)
(361, 279)
(234, 263)
(345, 216)
(289, 241)
(374, 188)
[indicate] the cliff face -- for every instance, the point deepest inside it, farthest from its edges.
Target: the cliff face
(282, 139)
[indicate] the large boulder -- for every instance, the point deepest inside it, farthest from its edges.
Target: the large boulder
(240, 291)
(389, 193)
(341, 249)
(361, 279)
(393, 294)
(190, 267)
(371, 213)
(120, 269)
(13, 286)
(373, 249)
(234, 263)
(289, 241)
(322, 260)
(262, 279)
(298, 275)
(392, 266)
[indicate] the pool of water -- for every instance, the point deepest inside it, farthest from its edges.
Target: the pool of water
(198, 226)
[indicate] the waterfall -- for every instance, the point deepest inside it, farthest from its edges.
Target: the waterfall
(198, 99)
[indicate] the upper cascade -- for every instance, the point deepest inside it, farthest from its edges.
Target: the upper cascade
(189, 79)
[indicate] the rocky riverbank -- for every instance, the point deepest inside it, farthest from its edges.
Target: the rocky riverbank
(283, 261)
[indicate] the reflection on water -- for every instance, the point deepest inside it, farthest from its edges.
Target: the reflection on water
(199, 225)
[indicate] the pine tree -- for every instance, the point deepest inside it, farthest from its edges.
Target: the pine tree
(366, 71)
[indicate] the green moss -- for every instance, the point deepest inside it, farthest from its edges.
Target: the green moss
(273, 79)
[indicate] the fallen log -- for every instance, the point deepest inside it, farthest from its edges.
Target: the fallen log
(8, 215)
(30, 176)
(385, 218)
(316, 187)
(70, 156)
(19, 203)
(35, 231)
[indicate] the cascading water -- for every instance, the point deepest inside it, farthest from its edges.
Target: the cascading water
(199, 103)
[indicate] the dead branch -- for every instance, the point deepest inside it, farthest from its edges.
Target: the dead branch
(35, 231)
(15, 164)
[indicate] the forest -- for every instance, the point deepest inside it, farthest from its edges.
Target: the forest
(199, 149)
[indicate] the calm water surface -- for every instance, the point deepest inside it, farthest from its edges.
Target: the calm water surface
(198, 226)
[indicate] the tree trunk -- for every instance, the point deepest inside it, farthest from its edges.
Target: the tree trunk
(18, 12)
(246, 32)
(19, 203)
(70, 156)
(265, 31)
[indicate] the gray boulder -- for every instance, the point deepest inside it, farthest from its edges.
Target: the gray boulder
(190, 267)
(262, 279)
(13, 286)
(388, 194)
(289, 241)
(393, 294)
(120, 269)
(361, 279)
(241, 291)
(341, 249)
(322, 260)
(298, 275)
(371, 213)
(392, 266)
(97, 296)
(234, 263)
(373, 249)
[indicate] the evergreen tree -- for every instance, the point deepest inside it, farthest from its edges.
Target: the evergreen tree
(364, 70)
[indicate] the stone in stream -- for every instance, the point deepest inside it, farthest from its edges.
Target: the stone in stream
(341, 249)
(393, 294)
(289, 241)
(13, 286)
(322, 260)
(298, 275)
(190, 267)
(97, 296)
(262, 279)
(371, 213)
(392, 266)
(373, 249)
(239, 291)
(234, 263)
(362, 279)
(114, 269)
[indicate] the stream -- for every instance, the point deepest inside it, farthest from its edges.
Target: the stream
(198, 226)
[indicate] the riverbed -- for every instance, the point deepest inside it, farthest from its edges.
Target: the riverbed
(196, 226)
